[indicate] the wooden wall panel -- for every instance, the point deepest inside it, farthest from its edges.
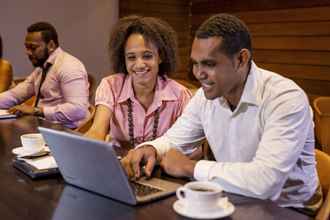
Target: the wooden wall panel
(310, 28)
(306, 72)
(267, 16)
(289, 37)
(216, 6)
(176, 13)
(320, 58)
(318, 43)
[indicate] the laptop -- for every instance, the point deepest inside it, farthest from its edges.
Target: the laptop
(93, 165)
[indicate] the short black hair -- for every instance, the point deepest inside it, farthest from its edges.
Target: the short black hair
(48, 31)
(232, 30)
(153, 30)
(0, 47)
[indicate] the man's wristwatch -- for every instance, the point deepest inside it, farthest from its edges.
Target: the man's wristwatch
(38, 112)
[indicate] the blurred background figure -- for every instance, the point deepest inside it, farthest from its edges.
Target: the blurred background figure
(6, 71)
(59, 81)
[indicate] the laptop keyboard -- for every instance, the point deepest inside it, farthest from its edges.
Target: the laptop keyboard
(143, 190)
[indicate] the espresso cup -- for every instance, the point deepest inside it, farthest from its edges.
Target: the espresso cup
(33, 142)
(201, 196)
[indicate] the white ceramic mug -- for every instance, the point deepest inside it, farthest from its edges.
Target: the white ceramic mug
(201, 196)
(32, 142)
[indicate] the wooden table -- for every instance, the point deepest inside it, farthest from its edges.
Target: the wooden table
(23, 198)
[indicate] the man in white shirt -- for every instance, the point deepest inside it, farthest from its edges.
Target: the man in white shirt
(258, 124)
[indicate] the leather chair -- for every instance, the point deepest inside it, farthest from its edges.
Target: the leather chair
(323, 168)
(321, 107)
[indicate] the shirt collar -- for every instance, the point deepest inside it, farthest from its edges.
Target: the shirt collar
(52, 57)
(163, 91)
(127, 89)
(250, 92)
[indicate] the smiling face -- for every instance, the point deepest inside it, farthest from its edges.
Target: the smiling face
(36, 49)
(218, 74)
(142, 61)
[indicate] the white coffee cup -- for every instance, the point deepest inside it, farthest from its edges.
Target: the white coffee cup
(201, 196)
(32, 142)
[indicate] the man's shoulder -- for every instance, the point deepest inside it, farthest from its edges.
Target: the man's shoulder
(69, 58)
(275, 89)
(272, 83)
(66, 62)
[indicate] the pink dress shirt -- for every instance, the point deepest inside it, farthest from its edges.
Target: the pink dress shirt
(114, 91)
(64, 93)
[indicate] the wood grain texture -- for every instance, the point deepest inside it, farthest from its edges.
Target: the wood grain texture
(289, 37)
(22, 198)
(318, 43)
(216, 6)
(320, 58)
(306, 72)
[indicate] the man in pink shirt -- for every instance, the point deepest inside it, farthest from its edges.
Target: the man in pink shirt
(59, 81)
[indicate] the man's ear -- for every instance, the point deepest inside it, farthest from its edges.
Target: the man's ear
(51, 46)
(244, 57)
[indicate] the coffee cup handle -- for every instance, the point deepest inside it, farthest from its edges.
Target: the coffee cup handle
(181, 193)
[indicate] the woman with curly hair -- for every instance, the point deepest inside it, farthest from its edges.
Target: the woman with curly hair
(139, 102)
(6, 72)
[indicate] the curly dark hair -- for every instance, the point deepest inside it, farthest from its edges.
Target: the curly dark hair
(153, 30)
(233, 31)
(48, 31)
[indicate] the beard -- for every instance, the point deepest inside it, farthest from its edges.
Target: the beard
(39, 62)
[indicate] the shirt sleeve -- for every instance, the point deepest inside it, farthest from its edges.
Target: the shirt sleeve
(74, 86)
(185, 134)
(104, 94)
(19, 93)
(287, 122)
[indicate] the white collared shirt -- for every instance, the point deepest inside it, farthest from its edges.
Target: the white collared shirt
(263, 149)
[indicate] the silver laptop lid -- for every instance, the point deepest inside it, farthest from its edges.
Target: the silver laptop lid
(89, 164)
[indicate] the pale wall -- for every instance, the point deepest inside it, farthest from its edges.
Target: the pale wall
(83, 27)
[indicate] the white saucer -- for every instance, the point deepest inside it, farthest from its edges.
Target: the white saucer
(179, 207)
(22, 152)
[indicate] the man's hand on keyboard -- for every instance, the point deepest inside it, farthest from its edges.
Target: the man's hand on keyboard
(137, 158)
